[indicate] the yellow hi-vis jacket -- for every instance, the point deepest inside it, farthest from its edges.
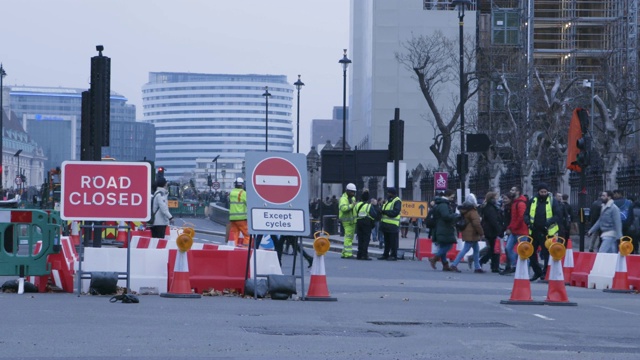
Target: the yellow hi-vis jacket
(389, 206)
(237, 205)
(553, 229)
(347, 206)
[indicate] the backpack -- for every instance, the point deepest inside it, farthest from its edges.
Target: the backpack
(430, 221)
(152, 219)
(461, 223)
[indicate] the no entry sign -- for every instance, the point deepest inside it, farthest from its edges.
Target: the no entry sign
(94, 190)
(277, 193)
(276, 180)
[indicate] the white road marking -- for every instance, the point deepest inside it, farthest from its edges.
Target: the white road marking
(543, 317)
(618, 310)
(276, 180)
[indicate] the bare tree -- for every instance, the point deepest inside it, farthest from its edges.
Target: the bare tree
(434, 60)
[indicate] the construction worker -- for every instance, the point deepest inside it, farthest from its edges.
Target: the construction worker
(390, 225)
(238, 213)
(348, 218)
(542, 216)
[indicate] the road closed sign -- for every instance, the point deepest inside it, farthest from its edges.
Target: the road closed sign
(94, 190)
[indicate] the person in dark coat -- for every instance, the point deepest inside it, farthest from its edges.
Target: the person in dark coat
(594, 215)
(471, 234)
(445, 231)
(492, 226)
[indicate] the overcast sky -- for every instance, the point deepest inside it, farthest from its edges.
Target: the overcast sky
(50, 43)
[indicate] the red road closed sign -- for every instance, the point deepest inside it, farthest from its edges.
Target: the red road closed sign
(94, 190)
(276, 180)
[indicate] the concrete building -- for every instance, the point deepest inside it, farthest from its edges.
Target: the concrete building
(379, 83)
(200, 116)
(323, 130)
(51, 117)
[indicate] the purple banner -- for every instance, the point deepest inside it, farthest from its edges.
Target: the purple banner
(440, 180)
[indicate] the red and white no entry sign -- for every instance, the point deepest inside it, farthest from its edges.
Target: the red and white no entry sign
(276, 180)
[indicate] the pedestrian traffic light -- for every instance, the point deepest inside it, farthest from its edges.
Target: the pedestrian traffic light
(396, 139)
(579, 141)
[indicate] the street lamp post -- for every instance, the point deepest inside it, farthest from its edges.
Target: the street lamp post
(17, 155)
(215, 160)
(298, 84)
(462, 162)
(266, 95)
(2, 75)
(344, 62)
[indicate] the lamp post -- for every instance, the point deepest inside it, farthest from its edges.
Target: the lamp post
(266, 95)
(462, 162)
(299, 84)
(215, 160)
(17, 155)
(2, 75)
(591, 84)
(344, 62)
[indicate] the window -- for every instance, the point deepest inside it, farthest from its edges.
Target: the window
(505, 27)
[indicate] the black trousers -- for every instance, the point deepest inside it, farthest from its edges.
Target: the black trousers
(539, 237)
(158, 231)
(363, 231)
(390, 243)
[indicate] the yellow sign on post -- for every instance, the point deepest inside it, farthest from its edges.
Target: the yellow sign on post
(416, 209)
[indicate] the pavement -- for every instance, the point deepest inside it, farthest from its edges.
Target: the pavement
(337, 244)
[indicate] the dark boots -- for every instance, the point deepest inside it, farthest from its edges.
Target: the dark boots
(433, 261)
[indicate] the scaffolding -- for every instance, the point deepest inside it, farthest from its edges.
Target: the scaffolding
(574, 39)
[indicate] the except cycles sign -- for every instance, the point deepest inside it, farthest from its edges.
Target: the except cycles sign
(94, 190)
(277, 194)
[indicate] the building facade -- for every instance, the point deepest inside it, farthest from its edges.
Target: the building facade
(200, 116)
(51, 117)
(379, 83)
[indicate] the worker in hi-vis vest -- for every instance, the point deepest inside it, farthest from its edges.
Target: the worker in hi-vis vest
(238, 213)
(348, 219)
(541, 217)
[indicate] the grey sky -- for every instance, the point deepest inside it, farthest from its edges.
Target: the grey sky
(50, 43)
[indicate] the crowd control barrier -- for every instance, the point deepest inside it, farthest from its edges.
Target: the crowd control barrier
(28, 238)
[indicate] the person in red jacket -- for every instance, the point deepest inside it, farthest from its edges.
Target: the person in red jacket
(516, 228)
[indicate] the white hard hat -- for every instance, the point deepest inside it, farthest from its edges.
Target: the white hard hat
(239, 180)
(351, 187)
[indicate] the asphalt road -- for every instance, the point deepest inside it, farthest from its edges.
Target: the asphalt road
(385, 310)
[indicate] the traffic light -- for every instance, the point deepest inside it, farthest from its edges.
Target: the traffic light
(209, 181)
(579, 142)
(396, 139)
(160, 173)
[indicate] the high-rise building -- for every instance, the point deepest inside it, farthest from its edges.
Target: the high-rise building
(379, 83)
(51, 117)
(200, 116)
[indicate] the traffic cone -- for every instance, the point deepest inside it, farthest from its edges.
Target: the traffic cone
(318, 290)
(567, 266)
(521, 292)
(620, 278)
(123, 234)
(180, 283)
(557, 293)
(75, 233)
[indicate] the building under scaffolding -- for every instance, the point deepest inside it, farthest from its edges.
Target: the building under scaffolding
(576, 39)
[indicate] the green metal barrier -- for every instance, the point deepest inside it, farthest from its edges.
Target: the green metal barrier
(20, 232)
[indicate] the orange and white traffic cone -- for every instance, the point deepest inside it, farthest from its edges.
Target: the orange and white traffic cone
(557, 293)
(521, 292)
(567, 266)
(75, 233)
(180, 284)
(122, 236)
(318, 290)
(620, 278)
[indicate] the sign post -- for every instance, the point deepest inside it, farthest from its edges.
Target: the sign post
(277, 194)
(112, 191)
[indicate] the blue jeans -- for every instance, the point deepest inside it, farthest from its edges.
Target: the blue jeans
(512, 255)
(608, 245)
(468, 245)
(443, 249)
